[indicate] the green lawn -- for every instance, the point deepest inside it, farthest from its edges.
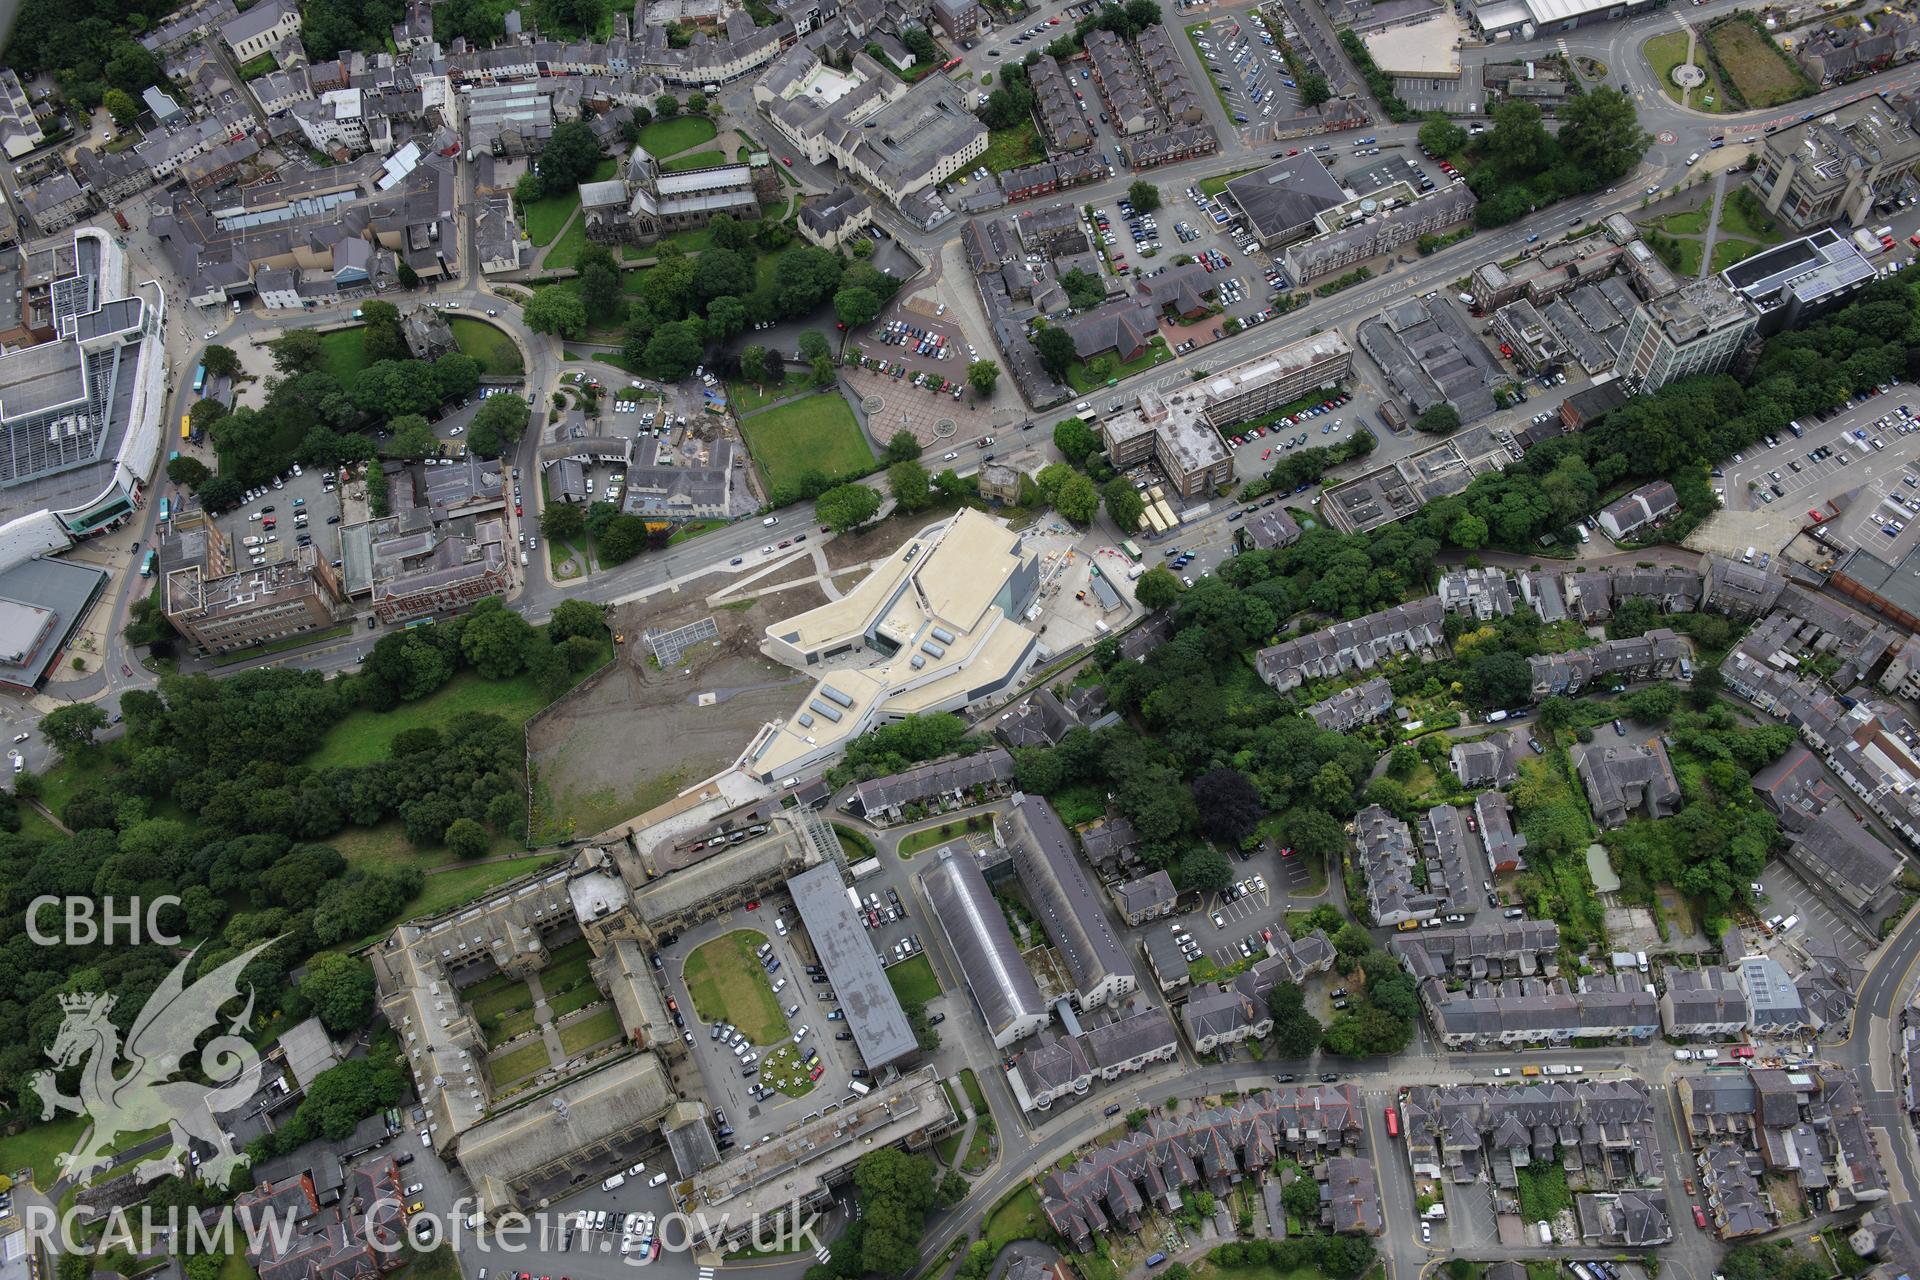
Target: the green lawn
(747, 396)
(1758, 225)
(694, 160)
(565, 253)
(495, 1001)
(815, 433)
(913, 980)
(1728, 252)
(1691, 222)
(511, 1068)
(40, 1147)
(489, 345)
(281, 646)
(1105, 370)
(254, 68)
(728, 985)
(1013, 148)
(233, 1266)
(577, 998)
(671, 137)
(362, 737)
(693, 529)
(584, 1033)
(974, 1095)
(385, 844)
(452, 888)
(546, 216)
(782, 1069)
(1213, 186)
(1018, 1217)
(1665, 52)
(508, 1026)
(343, 353)
(945, 833)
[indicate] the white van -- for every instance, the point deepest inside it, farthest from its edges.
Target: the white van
(1748, 557)
(657, 1179)
(1083, 407)
(1788, 923)
(771, 521)
(614, 1183)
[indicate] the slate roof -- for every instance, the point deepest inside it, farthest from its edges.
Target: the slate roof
(1364, 702)
(1841, 853)
(1062, 896)
(1149, 893)
(992, 767)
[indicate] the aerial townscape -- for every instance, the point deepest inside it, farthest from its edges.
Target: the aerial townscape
(960, 639)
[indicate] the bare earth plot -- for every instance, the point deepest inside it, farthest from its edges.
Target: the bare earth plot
(634, 737)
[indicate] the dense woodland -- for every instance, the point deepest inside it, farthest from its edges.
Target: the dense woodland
(207, 795)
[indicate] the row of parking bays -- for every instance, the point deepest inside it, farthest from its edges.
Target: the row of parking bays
(1258, 79)
(1779, 475)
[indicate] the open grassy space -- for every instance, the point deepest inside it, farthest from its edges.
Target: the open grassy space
(1105, 370)
(507, 1027)
(694, 160)
(595, 1028)
(489, 345)
(693, 529)
(1665, 52)
(1018, 1217)
(1213, 186)
(260, 65)
(362, 737)
(40, 1147)
(728, 985)
(945, 833)
(567, 967)
(343, 353)
(234, 1267)
(1012, 148)
(748, 396)
(565, 254)
(1728, 252)
(513, 1067)
(546, 216)
(815, 433)
(498, 1000)
(573, 999)
(1762, 74)
(1742, 214)
(671, 137)
(913, 979)
(971, 1084)
(1690, 222)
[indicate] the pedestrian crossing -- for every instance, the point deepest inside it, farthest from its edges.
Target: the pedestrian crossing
(823, 1253)
(1561, 44)
(706, 1273)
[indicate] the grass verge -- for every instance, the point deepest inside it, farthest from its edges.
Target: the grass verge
(281, 646)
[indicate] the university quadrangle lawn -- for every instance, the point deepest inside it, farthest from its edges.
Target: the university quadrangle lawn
(728, 985)
(816, 433)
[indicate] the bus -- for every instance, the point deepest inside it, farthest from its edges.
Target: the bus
(1132, 550)
(951, 64)
(166, 510)
(1393, 1122)
(173, 456)
(150, 564)
(186, 426)
(199, 378)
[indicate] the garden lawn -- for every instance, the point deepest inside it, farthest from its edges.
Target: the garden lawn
(546, 216)
(974, 1095)
(39, 1147)
(566, 967)
(671, 137)
(452, 888)
(814, 433)
(1012, 148)
(693, 529)
(748, 396)
(513, 1067)
(1082, 376)
(584, 1033)
(363, 736)
(728, 985)
(565, 254)
(501, 1000)
(490, 346)
(913, 980)
(574, 999)
(694, 160)
(1734, 221)
(343, 353)
(1018, 1217)
(233, 1266)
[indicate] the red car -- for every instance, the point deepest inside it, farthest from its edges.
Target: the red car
(754, 905)
(1287, 852)
(787, 161)
(1699, 1218)
(516, 509)
(816, 1073)
(1817, 517)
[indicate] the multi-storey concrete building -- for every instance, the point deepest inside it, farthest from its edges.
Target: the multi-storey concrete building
(1697, 329)
(1837, 165)
(255, 606)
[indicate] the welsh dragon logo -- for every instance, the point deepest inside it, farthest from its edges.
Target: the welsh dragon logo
(142, 1097)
